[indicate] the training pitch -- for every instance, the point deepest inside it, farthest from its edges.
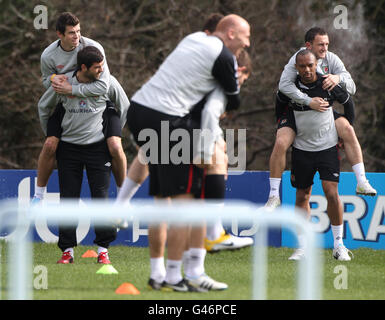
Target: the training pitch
(361, 278)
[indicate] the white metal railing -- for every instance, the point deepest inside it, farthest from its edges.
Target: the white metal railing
(20, 251)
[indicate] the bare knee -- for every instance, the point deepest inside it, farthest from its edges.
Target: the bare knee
(345, 130)
(115, 146)
(331, 195)
(284, 139)
(303, 195)
(50, 146)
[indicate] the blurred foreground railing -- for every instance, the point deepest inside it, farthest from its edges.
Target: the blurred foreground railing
(101, 212)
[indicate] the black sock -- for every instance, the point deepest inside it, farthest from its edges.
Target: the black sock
(215, 186)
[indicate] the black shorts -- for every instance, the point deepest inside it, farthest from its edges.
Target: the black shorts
(336, 115)
(111, 122)
(171, 172)
(54, 128)
(287, 119)
(306, 163)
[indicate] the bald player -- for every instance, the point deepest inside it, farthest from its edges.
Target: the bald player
(169, 96)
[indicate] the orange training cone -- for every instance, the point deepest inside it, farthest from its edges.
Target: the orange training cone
(90, 254)
(127, 288)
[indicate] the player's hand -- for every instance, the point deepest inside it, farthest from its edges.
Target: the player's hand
(63, 87)
(59, 78)
(318, 104)
(330, 81)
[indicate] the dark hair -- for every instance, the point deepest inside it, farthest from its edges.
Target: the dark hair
(88, 56)
(212, 21)
(66, 19)
(311, 33)
(303, 53)
(244, 60)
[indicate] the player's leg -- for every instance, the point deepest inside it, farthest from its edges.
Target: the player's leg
(335, 213)
(301, 202)
(98, 174)
(177, 237)
(119, 160)
(302, 175)
(354, 155)
(45, 166)
(214, 190)
(47, 157)
(277, 163)
(136, 175)
(113, 133)
(329, 170)
(177, 183)
(157, 236)
(70, 173)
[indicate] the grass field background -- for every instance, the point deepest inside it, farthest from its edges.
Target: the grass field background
(79, 281)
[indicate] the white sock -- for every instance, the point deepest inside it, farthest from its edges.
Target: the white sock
(70, 250)
(185, 259)
(158, 271)
(196, 262)
(102, 249)
(128, 190)
(214, 230)
(359, 170)
(301, 241)
(173, 271)
(274, 187)
(39, 192)
(338, 232)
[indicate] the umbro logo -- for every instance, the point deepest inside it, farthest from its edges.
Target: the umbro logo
(107, 164)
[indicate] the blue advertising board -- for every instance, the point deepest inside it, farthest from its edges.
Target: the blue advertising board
(364, 217)
(20, 184)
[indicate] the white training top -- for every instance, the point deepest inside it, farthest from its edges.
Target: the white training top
(190, 72)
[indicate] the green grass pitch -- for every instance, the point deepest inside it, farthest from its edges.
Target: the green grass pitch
(79, 281)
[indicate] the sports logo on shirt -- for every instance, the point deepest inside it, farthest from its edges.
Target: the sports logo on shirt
(325, 69)
(82, 104)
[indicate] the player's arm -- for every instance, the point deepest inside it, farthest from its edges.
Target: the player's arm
(287, 84)
(225, 72)
(117, 95)
(47, 71)
(46, 105)
(96, 88)
(343, 97)
(337, 69)
(84, 90)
